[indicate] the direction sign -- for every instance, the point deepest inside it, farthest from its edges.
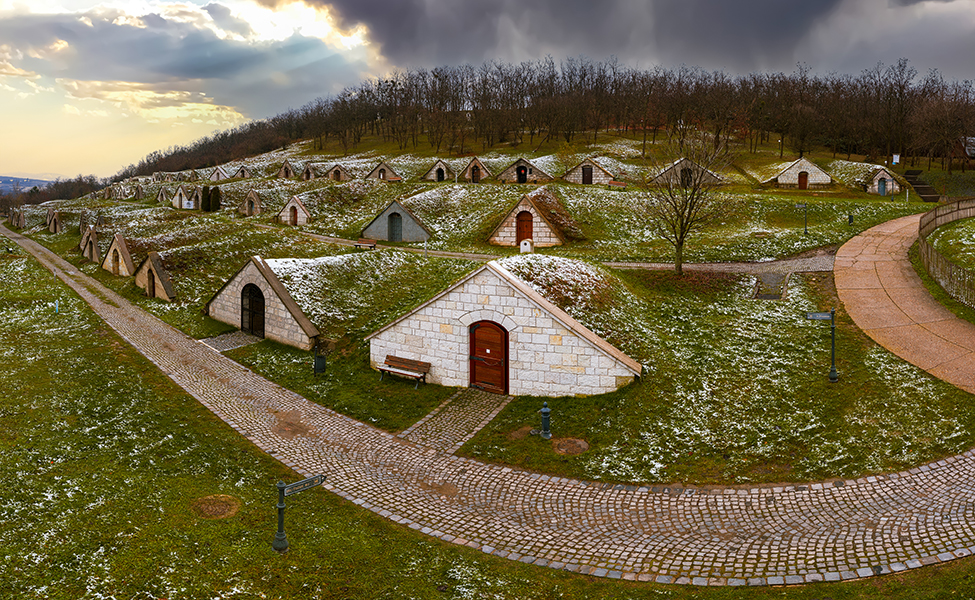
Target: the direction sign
(305, 484)
(803, 205)
(816, 316)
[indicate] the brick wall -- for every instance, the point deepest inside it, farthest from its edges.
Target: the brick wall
(279, 324)
(546, 358)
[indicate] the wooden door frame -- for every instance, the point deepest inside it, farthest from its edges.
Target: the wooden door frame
(506, 342)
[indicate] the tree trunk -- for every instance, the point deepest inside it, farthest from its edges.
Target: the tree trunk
(679, 258)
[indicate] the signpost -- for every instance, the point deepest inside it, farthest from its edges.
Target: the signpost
(831, 317)
(805, 217)
(280, 542)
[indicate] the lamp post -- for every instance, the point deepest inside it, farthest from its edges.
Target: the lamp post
(546, 421)
(822, 316)
(805, 217)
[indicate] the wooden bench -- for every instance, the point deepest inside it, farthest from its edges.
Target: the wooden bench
(365, 243)
(619, 184)
(417, 369)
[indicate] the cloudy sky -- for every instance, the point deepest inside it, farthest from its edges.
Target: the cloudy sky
(90, 86)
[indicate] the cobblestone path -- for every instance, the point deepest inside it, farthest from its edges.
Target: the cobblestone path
(455, 421)
(229, 341)
(791, 534)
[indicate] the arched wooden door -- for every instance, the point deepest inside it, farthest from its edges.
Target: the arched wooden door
(150, 283)
(489, 357)
(293, 216)
(337, 175)
(395, 227)
(475, 174)
(882, 187)
(686, 177)
(803, 180)
(440, 174)
(522, 171)
(252, 310)
(250, 208)
(382, 173)
(523, 227)
(115, 262)
(586, 174)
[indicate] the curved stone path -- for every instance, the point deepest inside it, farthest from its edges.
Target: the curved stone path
(750, 536)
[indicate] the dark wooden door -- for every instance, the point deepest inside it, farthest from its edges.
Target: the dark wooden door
(294, 216)
(395, 227)
(440, 174)
(489, 357)
(523, 227)
(803, 180)
(115, 262)
(150, 283)
(587, 174)
(522, 174)
(475, 174)
(252, 310)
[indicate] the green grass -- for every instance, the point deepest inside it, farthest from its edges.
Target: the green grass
(956, 242)
(735, 391)
(962, 311)
(103, 459)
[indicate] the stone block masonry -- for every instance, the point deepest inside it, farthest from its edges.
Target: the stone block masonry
(279, 324)
(547, 356)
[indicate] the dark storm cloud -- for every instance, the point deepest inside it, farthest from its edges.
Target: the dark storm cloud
(222, 17)
(258, 79)
(740, 35)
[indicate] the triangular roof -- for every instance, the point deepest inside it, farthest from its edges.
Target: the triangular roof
(448, 172)
(54, 226)
(526, 162)
(155, 261)
(311, 171)
(681, 161)
(485, 172)
(390, 173)
(405, 210)
(84, 237)
(118, 242)
(343, 172)
(282, 293)
(296, 201)
(286, 171)
(803, 162)
(243, 173)
(552, 212)
(218, 174)
(534, 297)
(162, 195)
(589, 161)
(258, 202)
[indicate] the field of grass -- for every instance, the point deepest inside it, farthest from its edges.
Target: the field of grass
(956, 242)
(735, 389)
(105, 462)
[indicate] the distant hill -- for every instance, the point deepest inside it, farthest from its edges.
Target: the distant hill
(8, 184)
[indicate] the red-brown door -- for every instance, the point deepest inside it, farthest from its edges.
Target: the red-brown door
(803, 180)
(475, 174)
(489, 357)
(523, 227)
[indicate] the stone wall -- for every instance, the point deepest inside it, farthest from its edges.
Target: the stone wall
(599, 176)
(379, 228)
(279, 324)
(546, 357)
(534, 174)
(790, 177)
(285, 215)
(507, 233)
(892, 186)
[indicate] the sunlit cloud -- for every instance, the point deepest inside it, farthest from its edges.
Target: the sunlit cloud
(152, 104)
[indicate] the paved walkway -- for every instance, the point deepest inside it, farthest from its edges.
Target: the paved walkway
(453, 423)
(886, 299)
(830, 530)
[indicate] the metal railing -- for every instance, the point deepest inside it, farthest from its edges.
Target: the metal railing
(958, 281)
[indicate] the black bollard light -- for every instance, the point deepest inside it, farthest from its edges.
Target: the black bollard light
(546, 421)
(851, 218)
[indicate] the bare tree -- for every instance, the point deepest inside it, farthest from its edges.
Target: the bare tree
(681, 198)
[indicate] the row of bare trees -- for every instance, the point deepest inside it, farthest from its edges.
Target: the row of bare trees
(883, 110)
